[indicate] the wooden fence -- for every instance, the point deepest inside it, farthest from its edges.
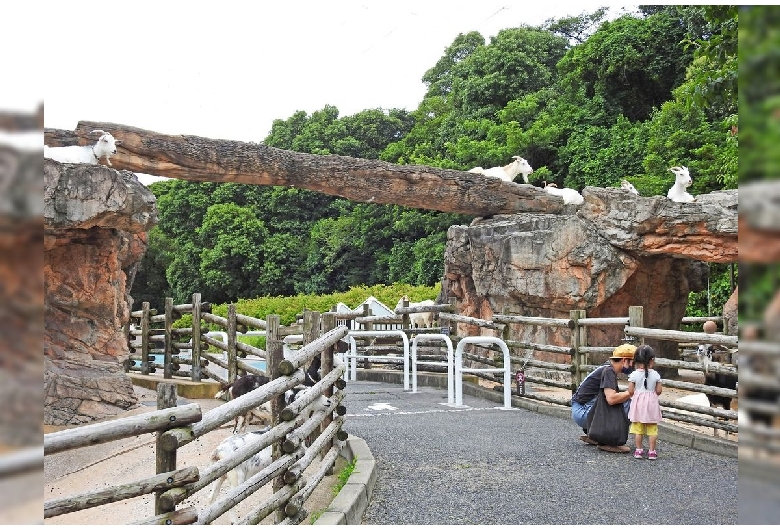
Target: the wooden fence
(529, 370)
(176, 426)
(759, 392)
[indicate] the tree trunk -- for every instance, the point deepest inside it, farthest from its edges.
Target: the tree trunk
(206, 160)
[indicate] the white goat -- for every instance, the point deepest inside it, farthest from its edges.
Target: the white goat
(417, 320)
(84, 154)
(508, 172)
(246, 469)
(261, 459)
(682, 180)
(626, 185)
(568, 195)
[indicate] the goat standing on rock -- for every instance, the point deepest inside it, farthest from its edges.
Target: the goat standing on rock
(508, 172)
(84, 154)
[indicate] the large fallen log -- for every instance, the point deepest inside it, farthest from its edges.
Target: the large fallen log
(199, 159)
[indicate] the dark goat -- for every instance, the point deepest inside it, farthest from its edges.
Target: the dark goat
(704, 353)
(760, 365)
(239, 387)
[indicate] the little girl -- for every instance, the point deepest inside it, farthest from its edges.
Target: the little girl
(644, 387)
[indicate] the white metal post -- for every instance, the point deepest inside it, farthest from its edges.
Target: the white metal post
(450, 362)
(459, 368)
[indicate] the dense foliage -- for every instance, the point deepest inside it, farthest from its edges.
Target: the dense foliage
(759, 151)
(587, 102)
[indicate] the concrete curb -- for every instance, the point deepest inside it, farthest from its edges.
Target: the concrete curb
(351, 502)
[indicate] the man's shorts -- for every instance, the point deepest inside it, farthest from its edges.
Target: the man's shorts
(649, 429)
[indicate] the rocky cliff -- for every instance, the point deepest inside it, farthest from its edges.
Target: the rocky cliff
(614, 251)
(95, 224)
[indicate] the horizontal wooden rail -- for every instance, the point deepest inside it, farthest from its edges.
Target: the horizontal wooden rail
(22, 461)
(155, 420)
(160, 482)
(305, 354)
(682, 336)
(538, 321)
(604, 321)
(469, 320)
(251, 321)
(434, 308)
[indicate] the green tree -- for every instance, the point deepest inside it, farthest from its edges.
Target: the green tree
(231, 238)
(627, 67)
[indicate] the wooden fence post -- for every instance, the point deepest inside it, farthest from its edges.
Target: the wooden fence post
(452, 326)
(636, 319)
(168, 352)
(369, 326)
(579, 338)
(196, 342)
(232, 338)
(328, 324)
(145, 338)
(274, 355)
(165, 460)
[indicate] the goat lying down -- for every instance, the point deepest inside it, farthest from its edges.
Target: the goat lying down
(518, 166)
(84, 154)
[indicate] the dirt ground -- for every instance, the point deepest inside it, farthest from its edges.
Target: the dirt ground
(124, 461)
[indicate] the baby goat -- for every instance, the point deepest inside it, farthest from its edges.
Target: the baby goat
(84, 154)
(239, 387)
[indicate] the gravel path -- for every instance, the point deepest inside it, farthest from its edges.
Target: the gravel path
(482, 465)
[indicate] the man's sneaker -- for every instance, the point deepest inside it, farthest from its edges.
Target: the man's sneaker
(652, 455)
(638, 453)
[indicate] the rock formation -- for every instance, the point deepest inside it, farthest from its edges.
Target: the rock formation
(614, 251)
(95, 224)
(21, 291)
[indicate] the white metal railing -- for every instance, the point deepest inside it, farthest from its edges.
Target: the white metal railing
(460, 370)
(353, 354)
(430, 337)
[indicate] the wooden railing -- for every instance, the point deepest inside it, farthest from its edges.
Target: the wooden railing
(176, 426)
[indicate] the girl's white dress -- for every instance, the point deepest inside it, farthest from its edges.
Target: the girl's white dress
(644, 406)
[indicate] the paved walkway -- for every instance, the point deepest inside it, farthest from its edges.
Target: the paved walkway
(482, 465)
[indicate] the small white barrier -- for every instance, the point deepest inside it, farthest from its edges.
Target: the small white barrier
(430, 337)
(459, 370)
(353, 355)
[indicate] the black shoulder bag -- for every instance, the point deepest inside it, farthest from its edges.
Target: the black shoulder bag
(607, 424)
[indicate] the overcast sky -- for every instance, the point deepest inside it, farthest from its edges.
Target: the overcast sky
(229, 70)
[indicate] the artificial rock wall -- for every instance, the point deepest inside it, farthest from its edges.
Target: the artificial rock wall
(614, 251)
(95, 224)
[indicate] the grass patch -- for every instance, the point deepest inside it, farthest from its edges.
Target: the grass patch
(344, 476)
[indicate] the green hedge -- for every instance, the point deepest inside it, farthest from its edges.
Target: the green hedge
(287, 307)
